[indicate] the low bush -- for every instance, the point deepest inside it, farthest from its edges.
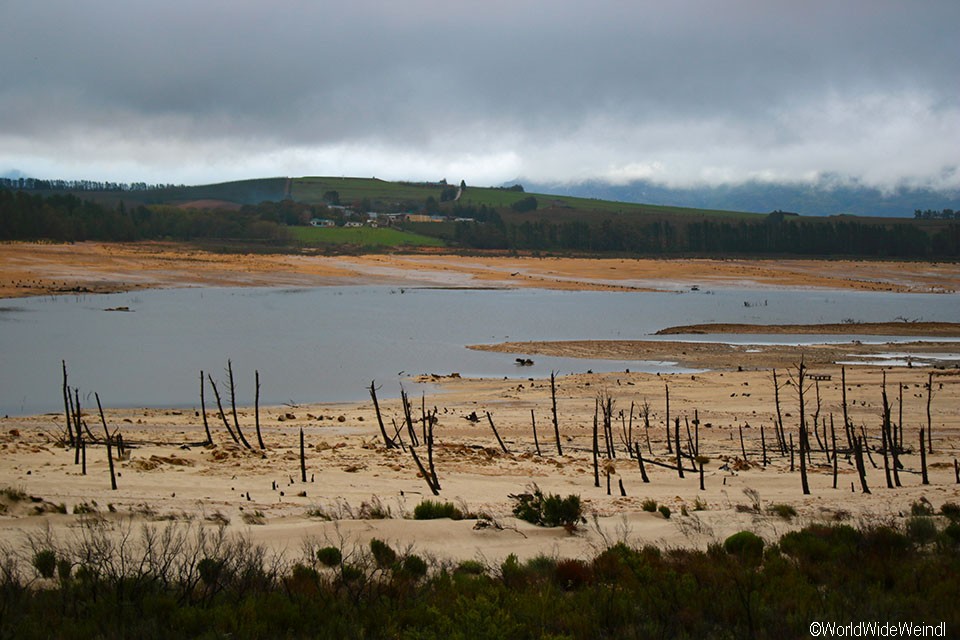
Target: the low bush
(921, 529)
(664, 511)
(785, 511)
(329, 556)
(432, 510)
(383, 555)
(45, 562)
(549, 510)
(649, 505)
(745, 545)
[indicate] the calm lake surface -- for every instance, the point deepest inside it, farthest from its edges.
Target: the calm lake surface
(328, 343)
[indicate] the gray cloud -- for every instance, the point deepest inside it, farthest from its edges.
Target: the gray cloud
(695, 91)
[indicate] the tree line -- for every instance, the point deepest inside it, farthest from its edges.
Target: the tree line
(67, 218)
(933, 214)
(773, 235)
(36, 184)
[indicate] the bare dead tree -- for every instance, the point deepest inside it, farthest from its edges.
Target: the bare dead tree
(203, 410)
(923, 460)
(676, 432)
(408, 418)
(233, 405)
(553, 401)
(666, 391)
(66, 407)
(303, 459)
(799, 381)
(866, 448)
(83, 455)
(898, 434)
(623, 492)
(847, 426)
(833, 442)
(891, 435)
(75, 426)
(431, 422)
(929, 425)
(496, 433)
(816, 418)
(763, 446)
(743, 448)
(645, 410)
(533, 422)
(778, 427)
(643, 469)
(885, 437)
(861, 467)
(256, 409)
(423, 472)
(106, 431)
(387, 441)
(223, 416)
(596, 442)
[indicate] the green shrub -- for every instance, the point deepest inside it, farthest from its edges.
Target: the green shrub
(820, 543)
(549, 510)
(13, 494)
(745, 545)
(921, 529)
(45, 562)
(921, 507)
(471, 567)
(413, 566)
(649, 505)
(329, 556)
(951, 534)
(431, 510)
(573, 574)
(210, 570)
(784, 511)
(64, 567)
(951, 510)
(383, 555)
(664, 511)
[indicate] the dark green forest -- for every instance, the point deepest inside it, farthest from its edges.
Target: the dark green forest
(69, 218)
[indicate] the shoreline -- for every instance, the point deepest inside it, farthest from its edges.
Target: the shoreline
(28, 269)
(352, 476)
(166, 476)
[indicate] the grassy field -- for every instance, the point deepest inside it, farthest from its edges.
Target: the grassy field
(362, 236)
(311, 190)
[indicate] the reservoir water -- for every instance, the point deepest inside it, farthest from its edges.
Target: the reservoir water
(328, 343)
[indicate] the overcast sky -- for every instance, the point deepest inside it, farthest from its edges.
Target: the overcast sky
(696, 91)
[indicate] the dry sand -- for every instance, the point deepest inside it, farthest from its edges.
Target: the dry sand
(169, 477)
(38, 269)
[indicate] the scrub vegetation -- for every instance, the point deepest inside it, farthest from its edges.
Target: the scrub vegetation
(195, 581)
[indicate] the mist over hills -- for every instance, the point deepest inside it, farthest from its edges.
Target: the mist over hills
(821, 198)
